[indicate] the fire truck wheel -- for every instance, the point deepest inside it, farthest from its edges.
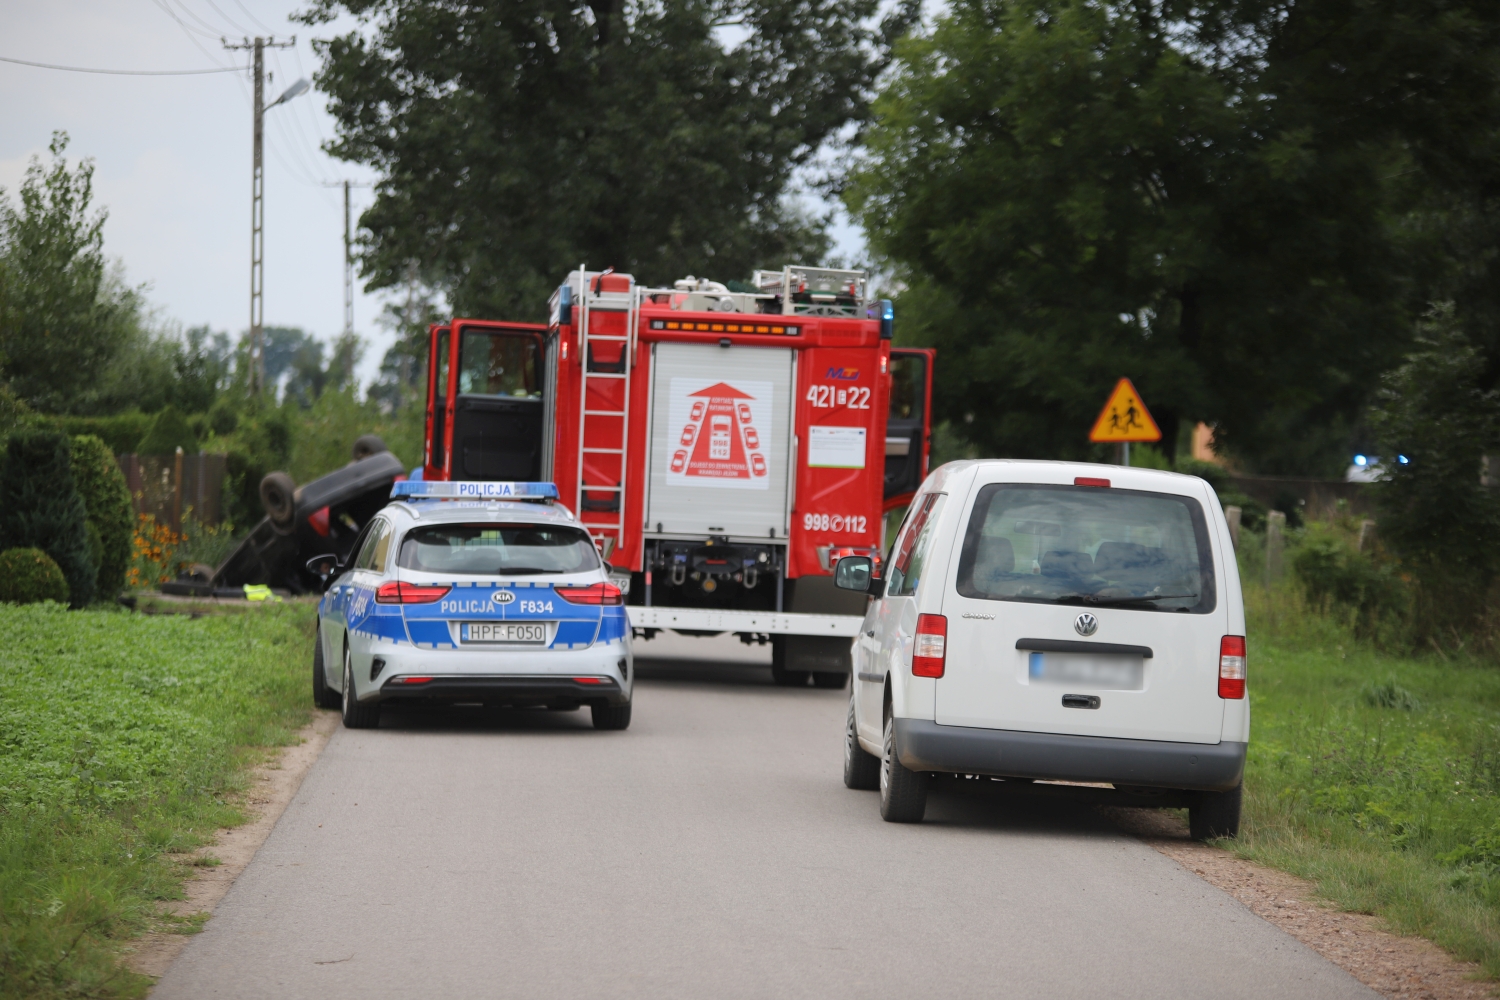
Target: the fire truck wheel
(278, 496)
(611, 716)
(367, 445)
(779, 673)
(834, 680)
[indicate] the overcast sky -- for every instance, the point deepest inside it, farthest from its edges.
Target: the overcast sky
(172, 155)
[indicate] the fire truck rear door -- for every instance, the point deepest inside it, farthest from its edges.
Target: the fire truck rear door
(721, 427)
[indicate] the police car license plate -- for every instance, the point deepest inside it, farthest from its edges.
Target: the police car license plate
(533, 633)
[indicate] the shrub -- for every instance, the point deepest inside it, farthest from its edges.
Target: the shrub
(1332, 572)
(28, 576)
(169, 431)
(40, 507)
(120, 432)
(106, 497)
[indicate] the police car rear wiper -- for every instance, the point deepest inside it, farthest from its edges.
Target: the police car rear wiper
(522, 570)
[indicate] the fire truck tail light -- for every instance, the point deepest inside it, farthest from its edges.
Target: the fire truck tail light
(594, 593)
(929, 654)
(397, 592)
(1232, 666)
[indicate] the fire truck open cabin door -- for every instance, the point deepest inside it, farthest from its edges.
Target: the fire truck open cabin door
(487, 412)
(908, 428)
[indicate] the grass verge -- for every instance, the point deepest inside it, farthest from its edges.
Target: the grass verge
(1375, 776)
(123, 739)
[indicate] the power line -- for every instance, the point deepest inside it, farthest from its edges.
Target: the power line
(258, 22)
(185, 26)
(125, 72)
(232, 23)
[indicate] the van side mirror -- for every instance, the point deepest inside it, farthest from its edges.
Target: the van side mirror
(856, 573)
(323, 567)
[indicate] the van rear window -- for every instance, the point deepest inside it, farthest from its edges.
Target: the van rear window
(1089, 547)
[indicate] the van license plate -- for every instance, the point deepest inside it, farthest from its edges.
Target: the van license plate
(1110, 672)
(523, 633)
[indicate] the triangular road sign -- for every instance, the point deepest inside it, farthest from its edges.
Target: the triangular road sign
(1124, 418)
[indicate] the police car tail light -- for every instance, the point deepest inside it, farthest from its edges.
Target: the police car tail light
(594, 593)
(397, 592)
(1232, 666)
(930, 653)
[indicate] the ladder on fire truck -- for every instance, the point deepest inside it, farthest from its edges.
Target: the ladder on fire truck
(604, 403)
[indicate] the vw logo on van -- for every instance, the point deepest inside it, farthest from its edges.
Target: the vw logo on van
(502, 596)
(1086, 624)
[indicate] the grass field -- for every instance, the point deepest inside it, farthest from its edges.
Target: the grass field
(123, 738)
(1375, 776)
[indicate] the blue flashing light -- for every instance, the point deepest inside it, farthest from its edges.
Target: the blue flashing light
(565, 304)
(473, 490)
(1361, 461)
(887, 319)
(1403, 459)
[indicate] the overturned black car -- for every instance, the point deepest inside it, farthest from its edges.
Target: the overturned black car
(322, 516)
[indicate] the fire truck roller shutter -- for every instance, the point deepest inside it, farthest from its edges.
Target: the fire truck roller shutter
(721, 427)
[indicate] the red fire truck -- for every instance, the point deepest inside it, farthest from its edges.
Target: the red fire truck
(725, 447)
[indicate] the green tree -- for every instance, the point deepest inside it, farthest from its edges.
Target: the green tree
(40, 507)
(518, 138)
(1223, 201)
(106, 498)
(1435, 512)
(65, 318)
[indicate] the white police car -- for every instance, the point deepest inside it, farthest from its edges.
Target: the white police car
(472, 592)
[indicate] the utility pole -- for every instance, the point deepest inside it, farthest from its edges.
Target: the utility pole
(348, 270)
(257, 204)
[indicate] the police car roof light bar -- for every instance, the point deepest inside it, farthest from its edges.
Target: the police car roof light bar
(473, 490)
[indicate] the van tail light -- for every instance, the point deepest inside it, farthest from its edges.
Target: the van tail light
(594, 593)
(931, 650)
(397, 592)
(1232, 666)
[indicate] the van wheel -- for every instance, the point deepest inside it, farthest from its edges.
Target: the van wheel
(1215, 814)
(356, 716)
(903, 793)
(861, 768)
(611, 716)
(323, 695)
(834, 680)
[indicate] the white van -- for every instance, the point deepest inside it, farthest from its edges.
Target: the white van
(1054, 621)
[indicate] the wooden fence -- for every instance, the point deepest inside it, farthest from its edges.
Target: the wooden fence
(172, 488)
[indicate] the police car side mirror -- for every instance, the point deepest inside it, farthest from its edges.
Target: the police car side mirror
(323, 567)
(855, 573)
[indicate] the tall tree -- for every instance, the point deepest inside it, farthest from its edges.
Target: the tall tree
(1221, 200)
(517, 138)
(64, 318)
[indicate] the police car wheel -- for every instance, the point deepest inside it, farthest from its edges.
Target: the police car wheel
(903, 793)
(611, 716)
(833, 680)
(323, 695)
(861, 768)
(356, 715)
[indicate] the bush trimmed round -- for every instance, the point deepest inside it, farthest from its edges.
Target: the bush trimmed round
(28, 576)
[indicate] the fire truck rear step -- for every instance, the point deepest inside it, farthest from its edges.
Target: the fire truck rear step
(768, 622)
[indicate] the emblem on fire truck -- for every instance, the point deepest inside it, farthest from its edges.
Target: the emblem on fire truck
(719, 428)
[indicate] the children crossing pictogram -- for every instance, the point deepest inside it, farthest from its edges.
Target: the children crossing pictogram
(1124, 418)
(718, 441)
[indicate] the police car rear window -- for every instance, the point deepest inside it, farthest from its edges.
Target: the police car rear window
(1086, 546)
(497, 550)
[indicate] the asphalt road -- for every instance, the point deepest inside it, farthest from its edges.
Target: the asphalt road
(711, 851)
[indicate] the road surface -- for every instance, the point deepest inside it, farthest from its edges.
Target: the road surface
(711, 851)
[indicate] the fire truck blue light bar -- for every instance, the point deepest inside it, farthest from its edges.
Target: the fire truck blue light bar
(474, 490)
